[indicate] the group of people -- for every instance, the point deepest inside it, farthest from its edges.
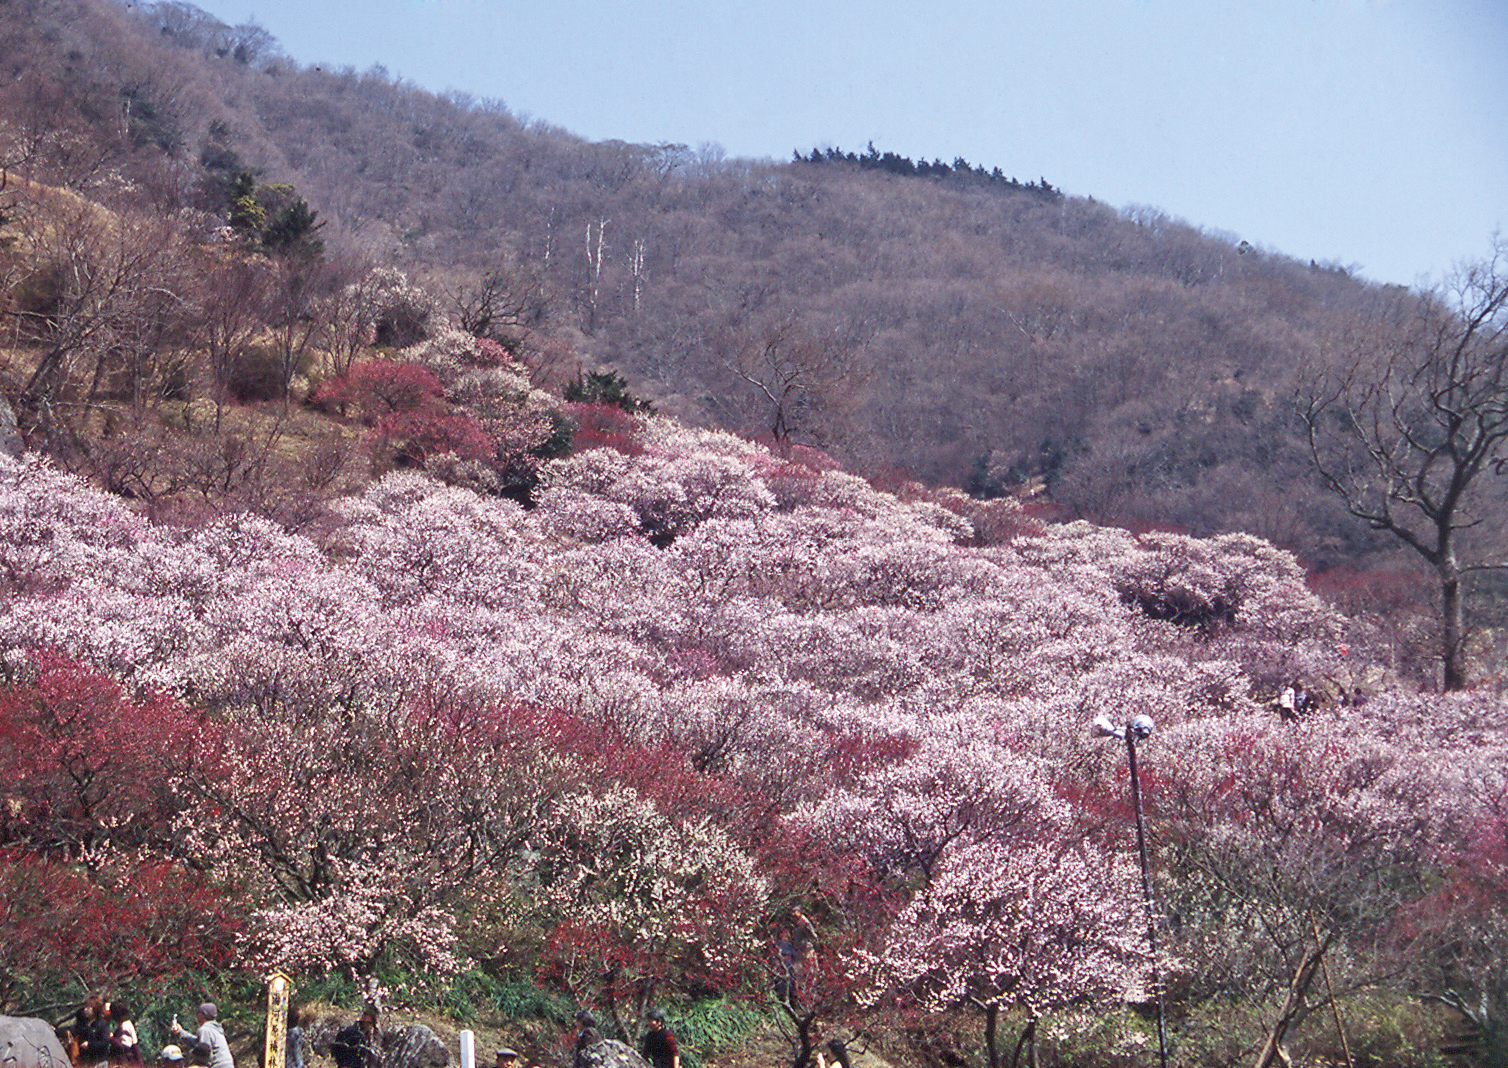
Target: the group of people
(355, 1046)
(104, 1031)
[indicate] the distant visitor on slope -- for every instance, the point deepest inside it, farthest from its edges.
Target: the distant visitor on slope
(588, 1038)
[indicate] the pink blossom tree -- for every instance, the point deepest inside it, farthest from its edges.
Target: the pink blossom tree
(1039, 926)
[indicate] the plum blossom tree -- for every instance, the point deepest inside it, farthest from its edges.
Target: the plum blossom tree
(638, 904)
(1287, 846)
(88, 770)
(946, 791)
(1040, 926)
(358, 855)
(162, 921)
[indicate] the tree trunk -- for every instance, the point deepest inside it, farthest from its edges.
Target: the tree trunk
(1453, 629)
(43, 380)
(991, 1037)
(1029, 1040)
(1275, 1049)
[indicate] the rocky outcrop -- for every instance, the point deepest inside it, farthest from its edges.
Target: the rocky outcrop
(610, 1053)
(413, 1046)
(26, 1042)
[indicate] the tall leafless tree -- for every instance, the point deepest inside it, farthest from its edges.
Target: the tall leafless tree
(102, 292)
(1406, 429)
(802, 381)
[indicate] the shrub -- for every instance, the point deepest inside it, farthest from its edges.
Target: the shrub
(603, 426)
(374, 389)
(607, 388)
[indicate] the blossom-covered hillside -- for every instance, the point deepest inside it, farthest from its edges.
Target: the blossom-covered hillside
(614, 739)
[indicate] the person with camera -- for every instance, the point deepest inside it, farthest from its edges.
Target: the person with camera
(208, 1040)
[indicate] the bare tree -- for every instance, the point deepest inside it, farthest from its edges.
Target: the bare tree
(233, 310)
(1403, 430)
(802, 380)
(298, 312)
(101, 294)
(507, 296)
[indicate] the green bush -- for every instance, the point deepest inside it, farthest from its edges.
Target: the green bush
(476, 992)
(709, 1026)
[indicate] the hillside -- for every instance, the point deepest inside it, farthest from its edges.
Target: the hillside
(961, 330)
(954, 326)
(456, 741)
(500, 574)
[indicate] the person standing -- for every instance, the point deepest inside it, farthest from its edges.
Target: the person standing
(127, 1045)
(803, 939)
(356, 1046)
(92, 1030)
(209, 1038)
(586, 1039)
(660, 1048)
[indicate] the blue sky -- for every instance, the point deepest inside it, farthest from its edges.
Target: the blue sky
(1371, 133)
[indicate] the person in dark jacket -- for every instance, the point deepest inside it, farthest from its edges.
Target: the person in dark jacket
(293, 1044)
(588, 1038)
(356, 1046)
(92, 1030)
(660, 1048)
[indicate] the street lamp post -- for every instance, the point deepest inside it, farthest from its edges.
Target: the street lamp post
(1138, 728)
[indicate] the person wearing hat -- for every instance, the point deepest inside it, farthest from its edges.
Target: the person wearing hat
(170, 1055)
(660, 1048)
(506, 1058)
(209, 1039)
(588, 1038)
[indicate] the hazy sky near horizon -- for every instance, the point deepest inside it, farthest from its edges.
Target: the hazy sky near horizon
(1370, 133)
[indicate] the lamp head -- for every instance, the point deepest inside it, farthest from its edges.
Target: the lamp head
(1103, 728)
(1141, 727)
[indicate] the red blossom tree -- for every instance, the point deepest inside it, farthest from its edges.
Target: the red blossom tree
(373, 389)
(84, 765)
(138, 919)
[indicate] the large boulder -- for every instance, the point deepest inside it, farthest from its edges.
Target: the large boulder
(413, 1046)
(405, 1046)
(26, 1042)
(610, 1053)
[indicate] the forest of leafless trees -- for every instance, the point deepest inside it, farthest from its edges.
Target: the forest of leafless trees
(951, 326)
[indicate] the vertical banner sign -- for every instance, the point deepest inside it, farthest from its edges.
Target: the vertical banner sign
(468, 1049)
(279, 990)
